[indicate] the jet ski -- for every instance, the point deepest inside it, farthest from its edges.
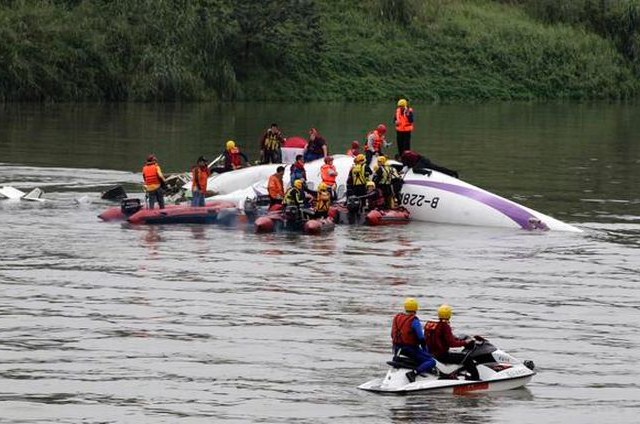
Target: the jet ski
(498, 371)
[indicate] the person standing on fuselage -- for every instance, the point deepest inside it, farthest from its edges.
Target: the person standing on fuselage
(408, 339)
(271, 145)
(404, 126)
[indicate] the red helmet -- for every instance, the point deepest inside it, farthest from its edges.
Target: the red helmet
(382, 128)
(328, 159)
(152, 158)
(355, 144)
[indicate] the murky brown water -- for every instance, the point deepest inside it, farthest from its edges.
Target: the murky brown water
(109, 323)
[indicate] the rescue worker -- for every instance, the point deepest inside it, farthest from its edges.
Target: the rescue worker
(374, 197)
(328, 173)
(408, 339)
(271, 145)
(440, 339)
(153, 182)
(404, 126)
(383, 177)
(275, 187)
(233, 157)
(417, 162)
(323, 201)
(199, 177)
(375, 142)
(354, 150)
(358, 176)
(316, 147)
(295, 195)
(297, 171)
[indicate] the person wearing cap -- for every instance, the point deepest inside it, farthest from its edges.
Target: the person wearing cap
(408, 339)
(275, 187)
(316, 147)
(404, 126)
(376, 140)
(440, 339)
(153, 182)
(271, 145)
(199, 177)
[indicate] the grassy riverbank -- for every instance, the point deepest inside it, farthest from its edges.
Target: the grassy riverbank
(433, 50)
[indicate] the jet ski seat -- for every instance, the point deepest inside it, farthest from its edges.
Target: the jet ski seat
(402, 362)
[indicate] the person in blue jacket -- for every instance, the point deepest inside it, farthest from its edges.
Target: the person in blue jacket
(408, 338)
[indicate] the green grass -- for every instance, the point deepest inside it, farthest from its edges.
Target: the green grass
(309, 50)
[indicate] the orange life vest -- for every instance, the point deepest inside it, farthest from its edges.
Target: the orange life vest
(151, 175)
(401, 331)
(403, 123)
(275, 187)
(199, 179)
(329, 174)
(236, 158)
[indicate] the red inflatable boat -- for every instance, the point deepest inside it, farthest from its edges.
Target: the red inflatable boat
(171, 214)
(398, 216)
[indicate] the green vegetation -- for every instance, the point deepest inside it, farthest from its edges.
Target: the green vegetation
(431, 50)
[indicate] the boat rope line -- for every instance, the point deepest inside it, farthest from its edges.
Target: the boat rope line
(517, 213)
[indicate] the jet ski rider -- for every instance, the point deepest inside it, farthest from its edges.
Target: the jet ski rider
(440, 339)
(408, 338)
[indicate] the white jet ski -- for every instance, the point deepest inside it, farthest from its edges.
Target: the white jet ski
(498, 371)
(12, 193)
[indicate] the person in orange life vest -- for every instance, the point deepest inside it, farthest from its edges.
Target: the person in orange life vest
(376, 140)
(329, 174)
(416, 161)
(383, 176)
(316, 147)
(374, 196)
(440, 339)
(404, 126)
(323, 201)
(408, 339)
(153, 182)
(233, 157)
(275, 187)
(199, 177)
(271, 145)
(354, 150)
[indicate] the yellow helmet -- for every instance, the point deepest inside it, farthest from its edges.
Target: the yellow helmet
(298, 184)
(411, 304)
(382, 160)
(231, 144)
(371, 184)
(402, 103)
(360, 158)
(445, 311)
(322, 186)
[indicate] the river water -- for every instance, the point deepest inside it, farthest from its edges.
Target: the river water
(103, 322)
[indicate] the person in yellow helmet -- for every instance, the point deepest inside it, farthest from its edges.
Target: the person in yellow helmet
(408, 339)
(440, 339)
(295, 195)
(404, 126)
(232, 158)
(323, 201)
(357, 179)
(384, 177)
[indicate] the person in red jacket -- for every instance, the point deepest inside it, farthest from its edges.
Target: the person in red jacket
(440, 339)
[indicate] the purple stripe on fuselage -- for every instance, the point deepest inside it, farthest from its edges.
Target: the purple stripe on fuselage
(517, 213)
